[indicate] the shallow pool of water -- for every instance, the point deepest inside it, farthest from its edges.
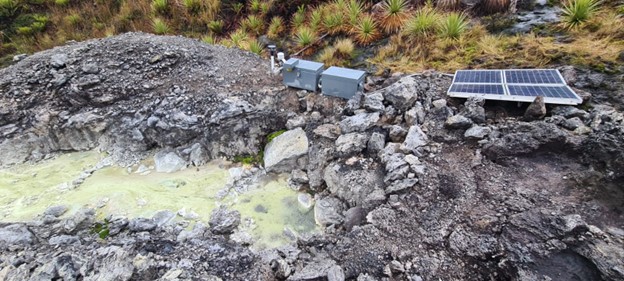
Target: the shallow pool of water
(270, 212)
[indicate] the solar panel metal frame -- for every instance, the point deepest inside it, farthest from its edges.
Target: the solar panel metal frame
(506, 96)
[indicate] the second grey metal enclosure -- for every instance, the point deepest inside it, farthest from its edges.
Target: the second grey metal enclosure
(342, 82)
(302, 74)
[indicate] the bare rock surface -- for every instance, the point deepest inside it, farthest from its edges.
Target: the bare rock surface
(400, 193)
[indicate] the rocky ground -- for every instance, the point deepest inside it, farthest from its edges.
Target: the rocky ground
(408, 183)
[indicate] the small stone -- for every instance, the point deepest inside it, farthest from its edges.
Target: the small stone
(141, 224)
(328, 211)
(376, 142)
(305, 201)
(458, 122)
(439, 104)
(397, 133)
(296, 122)
(477, 132)
(329, 131)
(56, 211)
(335, 273)
(374, 102)
(351, 143)
(359, 123)
(58, 60)
(573, 123)
(415, 138)
(223, 221)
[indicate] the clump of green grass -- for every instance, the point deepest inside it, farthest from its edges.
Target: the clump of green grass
(254, 6)
(160, 26)
(395, 13)
(193, 7)
(73, 19)
(355, 10)
(160, 6)
(208, 39)
(298, 18)
(238, 38)
(365, 30)
(453, 26)
(576, 12)
(423, 24)
(304, 37)
(9, 8)
(255, 47)
(216, 26)
(328, 56)
(253, 24)
(316, 18)
(333, 22)
(276, 28)
(61, 2)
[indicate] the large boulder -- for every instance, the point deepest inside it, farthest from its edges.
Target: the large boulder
(402, 94)
(281, 154)
(15, 235)
(523, 138)
(351, 143)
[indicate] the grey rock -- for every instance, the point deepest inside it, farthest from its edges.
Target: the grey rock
(472, 244)
(415, 139)
(296, 122)
(524, 138)
(168, 162)
(374, 102)
(351, 143)
(162, 218)
(142, 224)
(15, 235)
(329, 131)
(82, 219)
(335, 273)
(351, 184)
(224, 221)
(19, 57)
(63, 240)
(359, 123)
(198, 155)
(439, 104)
(573, 123)
(328, 211)
(401, 185)
(365, 277)
(477, 132)
(402, 94)
(570, 112)
(315, 270)
(58, 60)
(305, 201)
(536, 110)
(282, 152)
(458, 122)
(473, 109)
(376, 142)
(416, 115)
(354, 216)
(56, 211)
(91, 68)
(197, 232)
(397, 133)
(299, 176)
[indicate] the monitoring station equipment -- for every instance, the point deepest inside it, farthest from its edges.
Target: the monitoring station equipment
(521, 85)
(310, 75)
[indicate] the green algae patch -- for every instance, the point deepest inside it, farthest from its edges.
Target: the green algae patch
(271, 209)
(27, 190)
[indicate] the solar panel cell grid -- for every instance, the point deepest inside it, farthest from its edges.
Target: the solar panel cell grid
(480, 76)
(478, 89)
(538, 76)
(545, 91)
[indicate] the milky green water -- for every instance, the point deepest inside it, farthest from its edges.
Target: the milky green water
(27, 190)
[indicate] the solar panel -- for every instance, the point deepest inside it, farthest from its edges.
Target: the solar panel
(544, 91)
(533, 76)
(521, 85)
(478, 76)
(493, 89)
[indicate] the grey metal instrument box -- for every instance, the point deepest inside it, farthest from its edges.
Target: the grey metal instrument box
(342, 82)
(302, 74)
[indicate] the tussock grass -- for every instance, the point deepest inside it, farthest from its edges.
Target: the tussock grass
(208, 39)
(334, 22)
(576, 12)
(253, 24)
(193, 7)
(366, 30)
(486, 7)
(298, 18)
(344, 47)
(304, 38)
(255, 47)
(448, 4)
(9, 8)
(355, 11)
(160, 6)
(425, 22)
(216, 26)
(395, 13)
(160, 26)
(276, 28)
(453, 26)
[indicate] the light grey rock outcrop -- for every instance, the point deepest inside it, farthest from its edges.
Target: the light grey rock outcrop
(351, 143)
(15, 235)
(282, 152)
(169, 162)
(359, 122)
(415, 139)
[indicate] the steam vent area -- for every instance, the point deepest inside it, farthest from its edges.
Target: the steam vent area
(149, 157)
